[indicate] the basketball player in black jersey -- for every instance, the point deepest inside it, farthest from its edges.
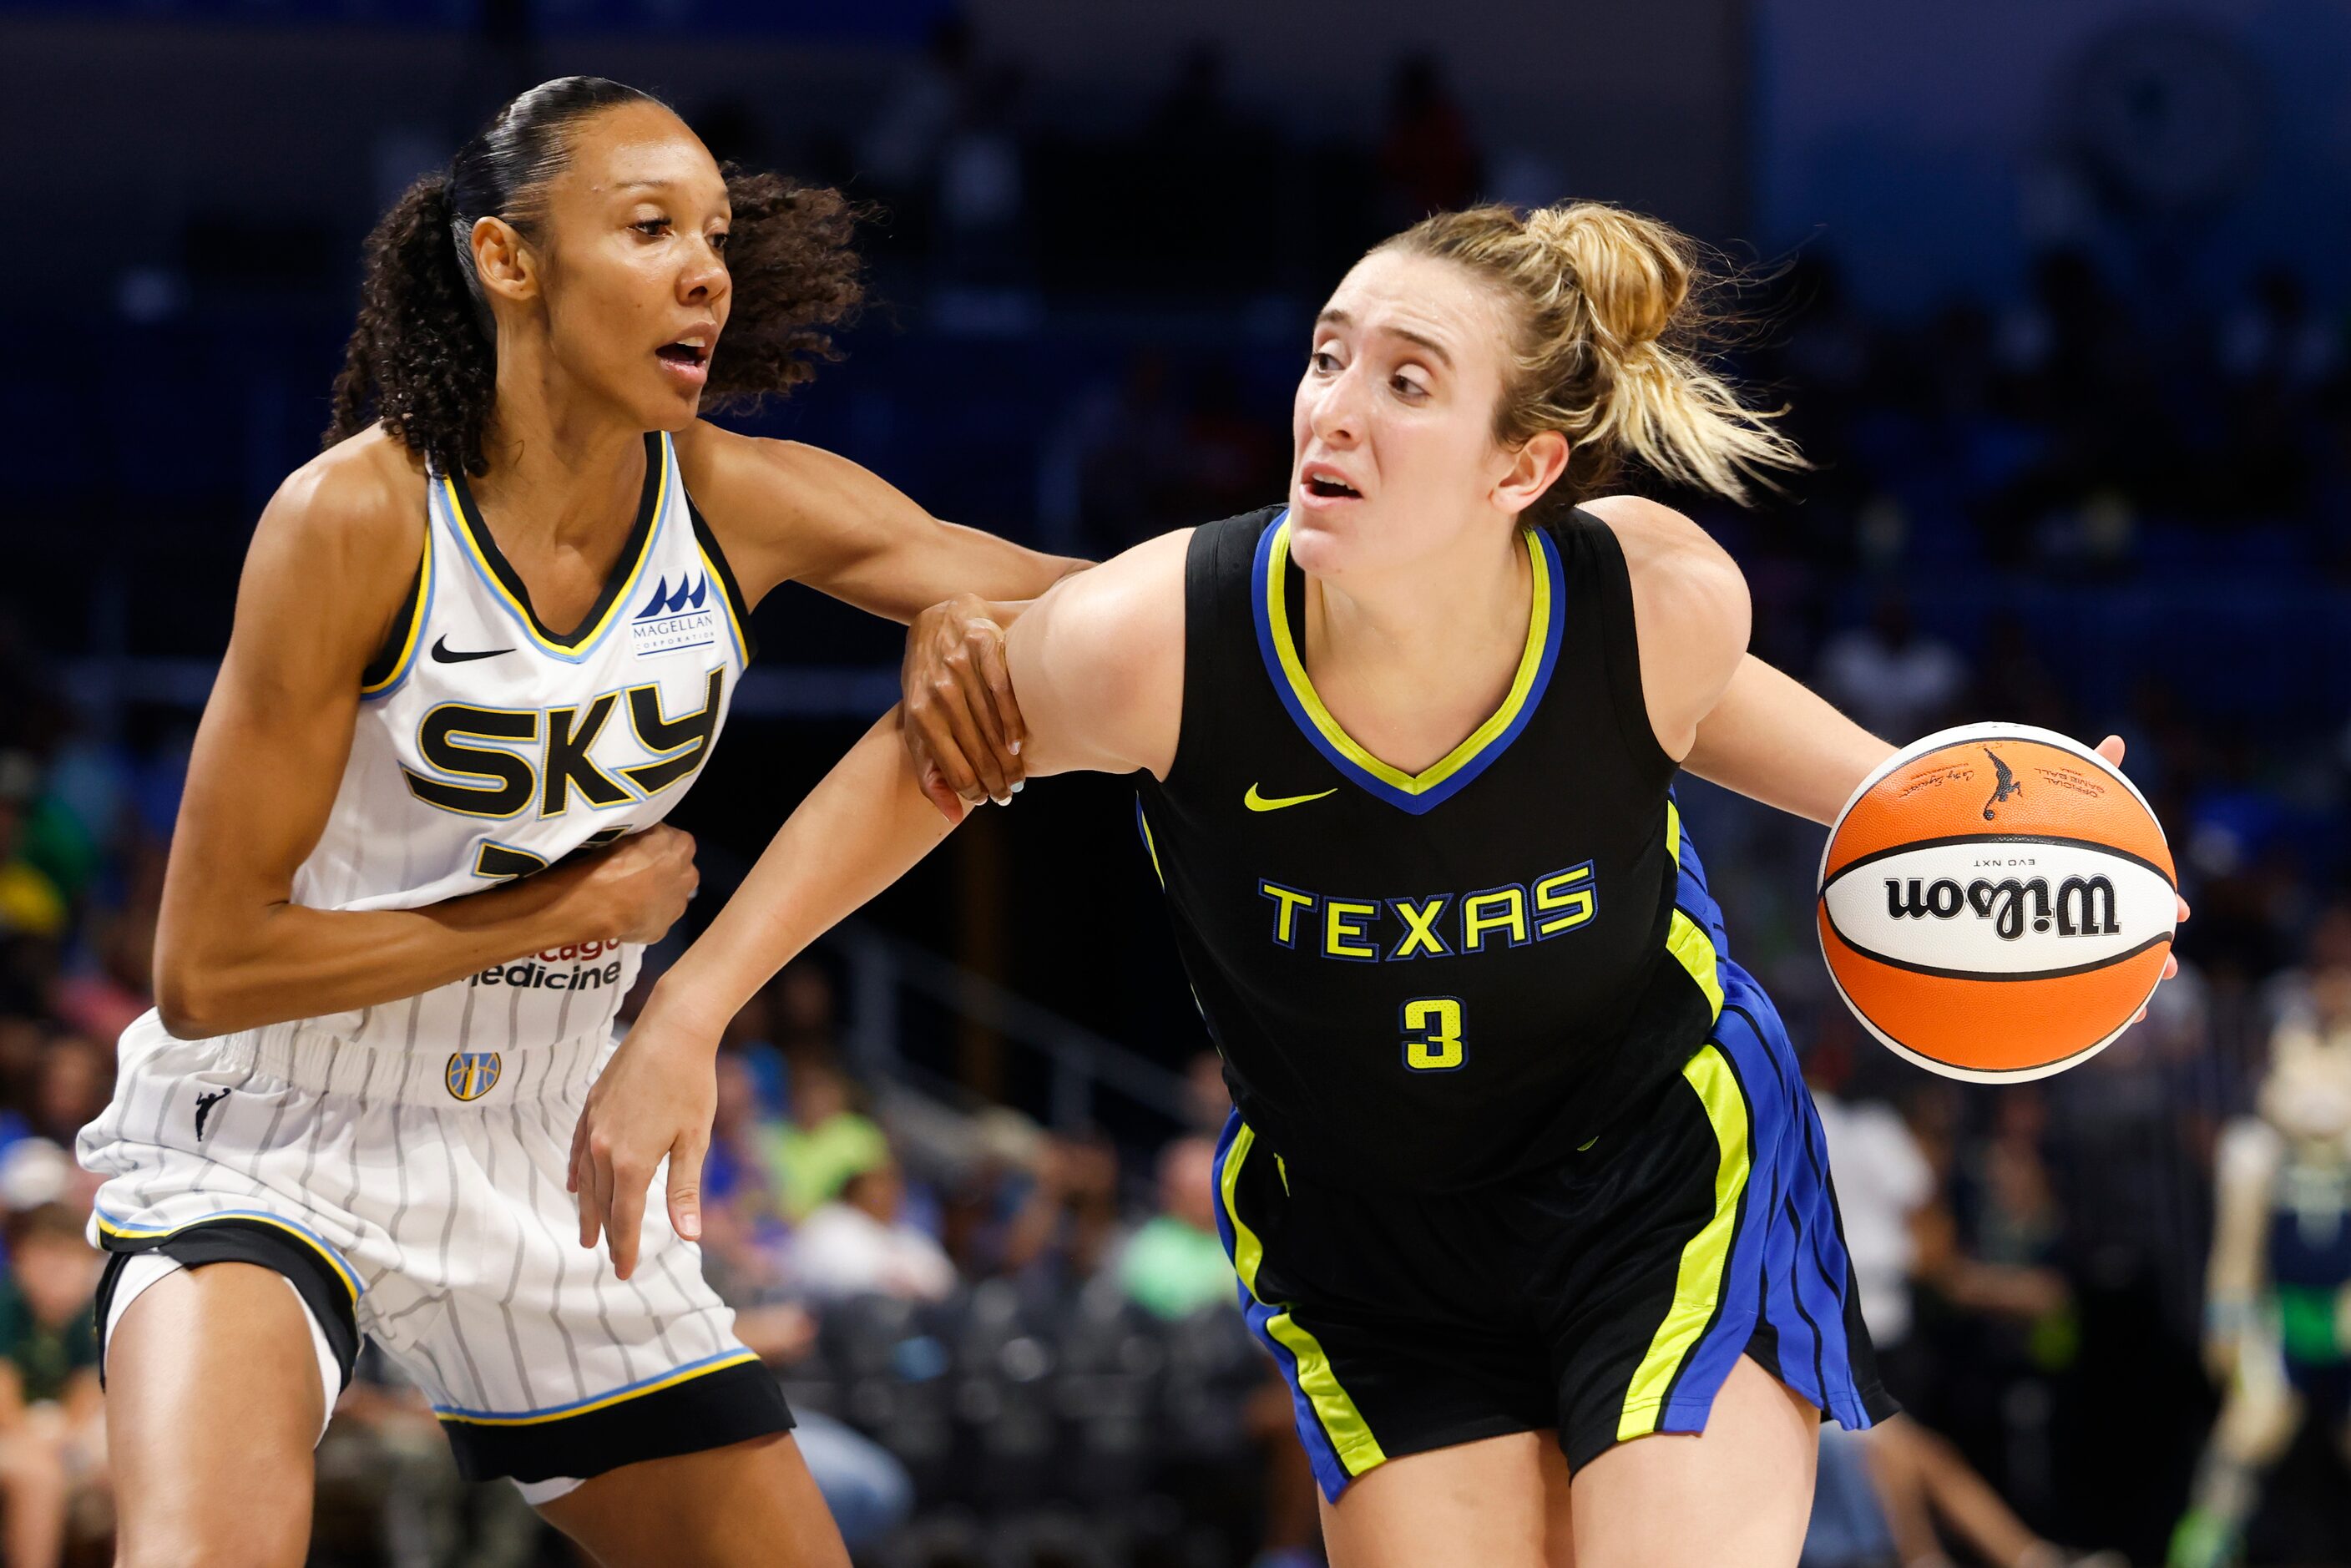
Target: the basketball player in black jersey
(1521, 1168)
(573, 284)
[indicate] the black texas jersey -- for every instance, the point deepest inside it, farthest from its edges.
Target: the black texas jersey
(1425, 982)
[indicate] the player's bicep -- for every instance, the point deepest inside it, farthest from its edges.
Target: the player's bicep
(1098, 665)
(788, 512)
(312, 611)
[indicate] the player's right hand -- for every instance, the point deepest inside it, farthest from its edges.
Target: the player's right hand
(635, 890)
(957, 712)
(654, 1101)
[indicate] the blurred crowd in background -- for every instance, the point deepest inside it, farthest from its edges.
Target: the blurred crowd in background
(2096, 505)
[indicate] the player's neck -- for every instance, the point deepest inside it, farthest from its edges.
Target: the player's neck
(1411, 663)
(563, 469)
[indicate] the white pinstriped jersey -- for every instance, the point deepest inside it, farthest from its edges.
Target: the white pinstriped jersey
(417, 1151)
(487, 748)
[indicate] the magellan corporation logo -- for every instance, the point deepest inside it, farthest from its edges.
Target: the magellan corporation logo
(675, 619)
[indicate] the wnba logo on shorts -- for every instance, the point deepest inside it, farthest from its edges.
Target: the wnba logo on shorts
(473, 1073)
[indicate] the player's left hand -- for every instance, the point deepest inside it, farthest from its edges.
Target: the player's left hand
(2111, 749)
(653, 1101)
(957, 715)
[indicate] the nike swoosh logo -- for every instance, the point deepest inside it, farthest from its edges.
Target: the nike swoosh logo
(445, 654)
(1257, 803)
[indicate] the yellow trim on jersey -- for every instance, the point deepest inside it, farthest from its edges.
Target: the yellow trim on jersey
(622, 600)
(619, 1396)
(1150, 844)
(1698, 1285)
(1293, 666)
(343, 1270)
(415, 634)
(1687, 940)
(1345, 1424)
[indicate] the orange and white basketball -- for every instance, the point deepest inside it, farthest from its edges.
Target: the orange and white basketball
(1996, 902)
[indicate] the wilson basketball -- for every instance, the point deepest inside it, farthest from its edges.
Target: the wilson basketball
(1996, 902)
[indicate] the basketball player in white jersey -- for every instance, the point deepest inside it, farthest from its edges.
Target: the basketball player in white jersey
(483, 645)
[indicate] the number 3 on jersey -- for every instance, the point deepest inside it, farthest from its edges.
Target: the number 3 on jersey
(1432, 1034)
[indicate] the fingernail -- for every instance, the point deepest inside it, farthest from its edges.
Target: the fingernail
(1022, 785)
(1003, 799)
(691, 1229)
(1016, 749)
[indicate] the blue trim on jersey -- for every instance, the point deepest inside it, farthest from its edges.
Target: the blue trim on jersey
(1788, 1267)
(327, 1248)
(1437, 790)
(1690, 893)
(643, 1385)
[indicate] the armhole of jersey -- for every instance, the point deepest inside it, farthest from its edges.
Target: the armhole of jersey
(399, 651)
(1206, 584)
(1620, 635)
(704, 536)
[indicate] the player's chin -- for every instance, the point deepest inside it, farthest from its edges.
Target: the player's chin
(662, 407)
(1326, 540)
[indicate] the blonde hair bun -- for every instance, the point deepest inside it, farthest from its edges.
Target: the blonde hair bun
(1610, 327)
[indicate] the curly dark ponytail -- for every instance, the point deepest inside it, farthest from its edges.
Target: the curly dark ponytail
(422, 358)
(418, 360)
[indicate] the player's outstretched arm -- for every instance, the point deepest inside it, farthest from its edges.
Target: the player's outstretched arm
(785, 511)
(330, 564)
(1100, 662)
(1773, 739)
(1729, 717)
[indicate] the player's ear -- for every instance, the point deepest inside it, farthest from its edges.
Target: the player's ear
(503, 260)
(1535, 468)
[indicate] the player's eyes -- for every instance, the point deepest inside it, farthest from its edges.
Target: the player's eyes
(651, 228)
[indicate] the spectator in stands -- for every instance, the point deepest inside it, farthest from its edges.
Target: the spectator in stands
(76, 1080)
(2274, 335)
(899, 152)
(31, 903)
(744, 1233)
(1175, 1264)
(1428, 160)
(52, 1441)
(861, 1243)
(1068, 1224)
(1921, 1478)
(802, 1015)
(827, 1140)
(1894, 681)
(1207, 1101)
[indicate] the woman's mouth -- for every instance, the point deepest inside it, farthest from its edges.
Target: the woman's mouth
(687, 358)
(1325, 484)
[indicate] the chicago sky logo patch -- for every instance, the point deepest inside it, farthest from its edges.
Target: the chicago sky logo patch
(675, 619)
(473, 1073)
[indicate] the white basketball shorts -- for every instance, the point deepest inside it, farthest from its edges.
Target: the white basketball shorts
(417, 1197)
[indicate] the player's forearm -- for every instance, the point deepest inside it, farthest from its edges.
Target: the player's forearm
(864, 826)
(294, 962)
(1773, 740)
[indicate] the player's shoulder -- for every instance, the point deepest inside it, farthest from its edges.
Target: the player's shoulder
(1679, 572)
(361, 503)
(717, 463)
(1652, 534)
(1137, 590)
